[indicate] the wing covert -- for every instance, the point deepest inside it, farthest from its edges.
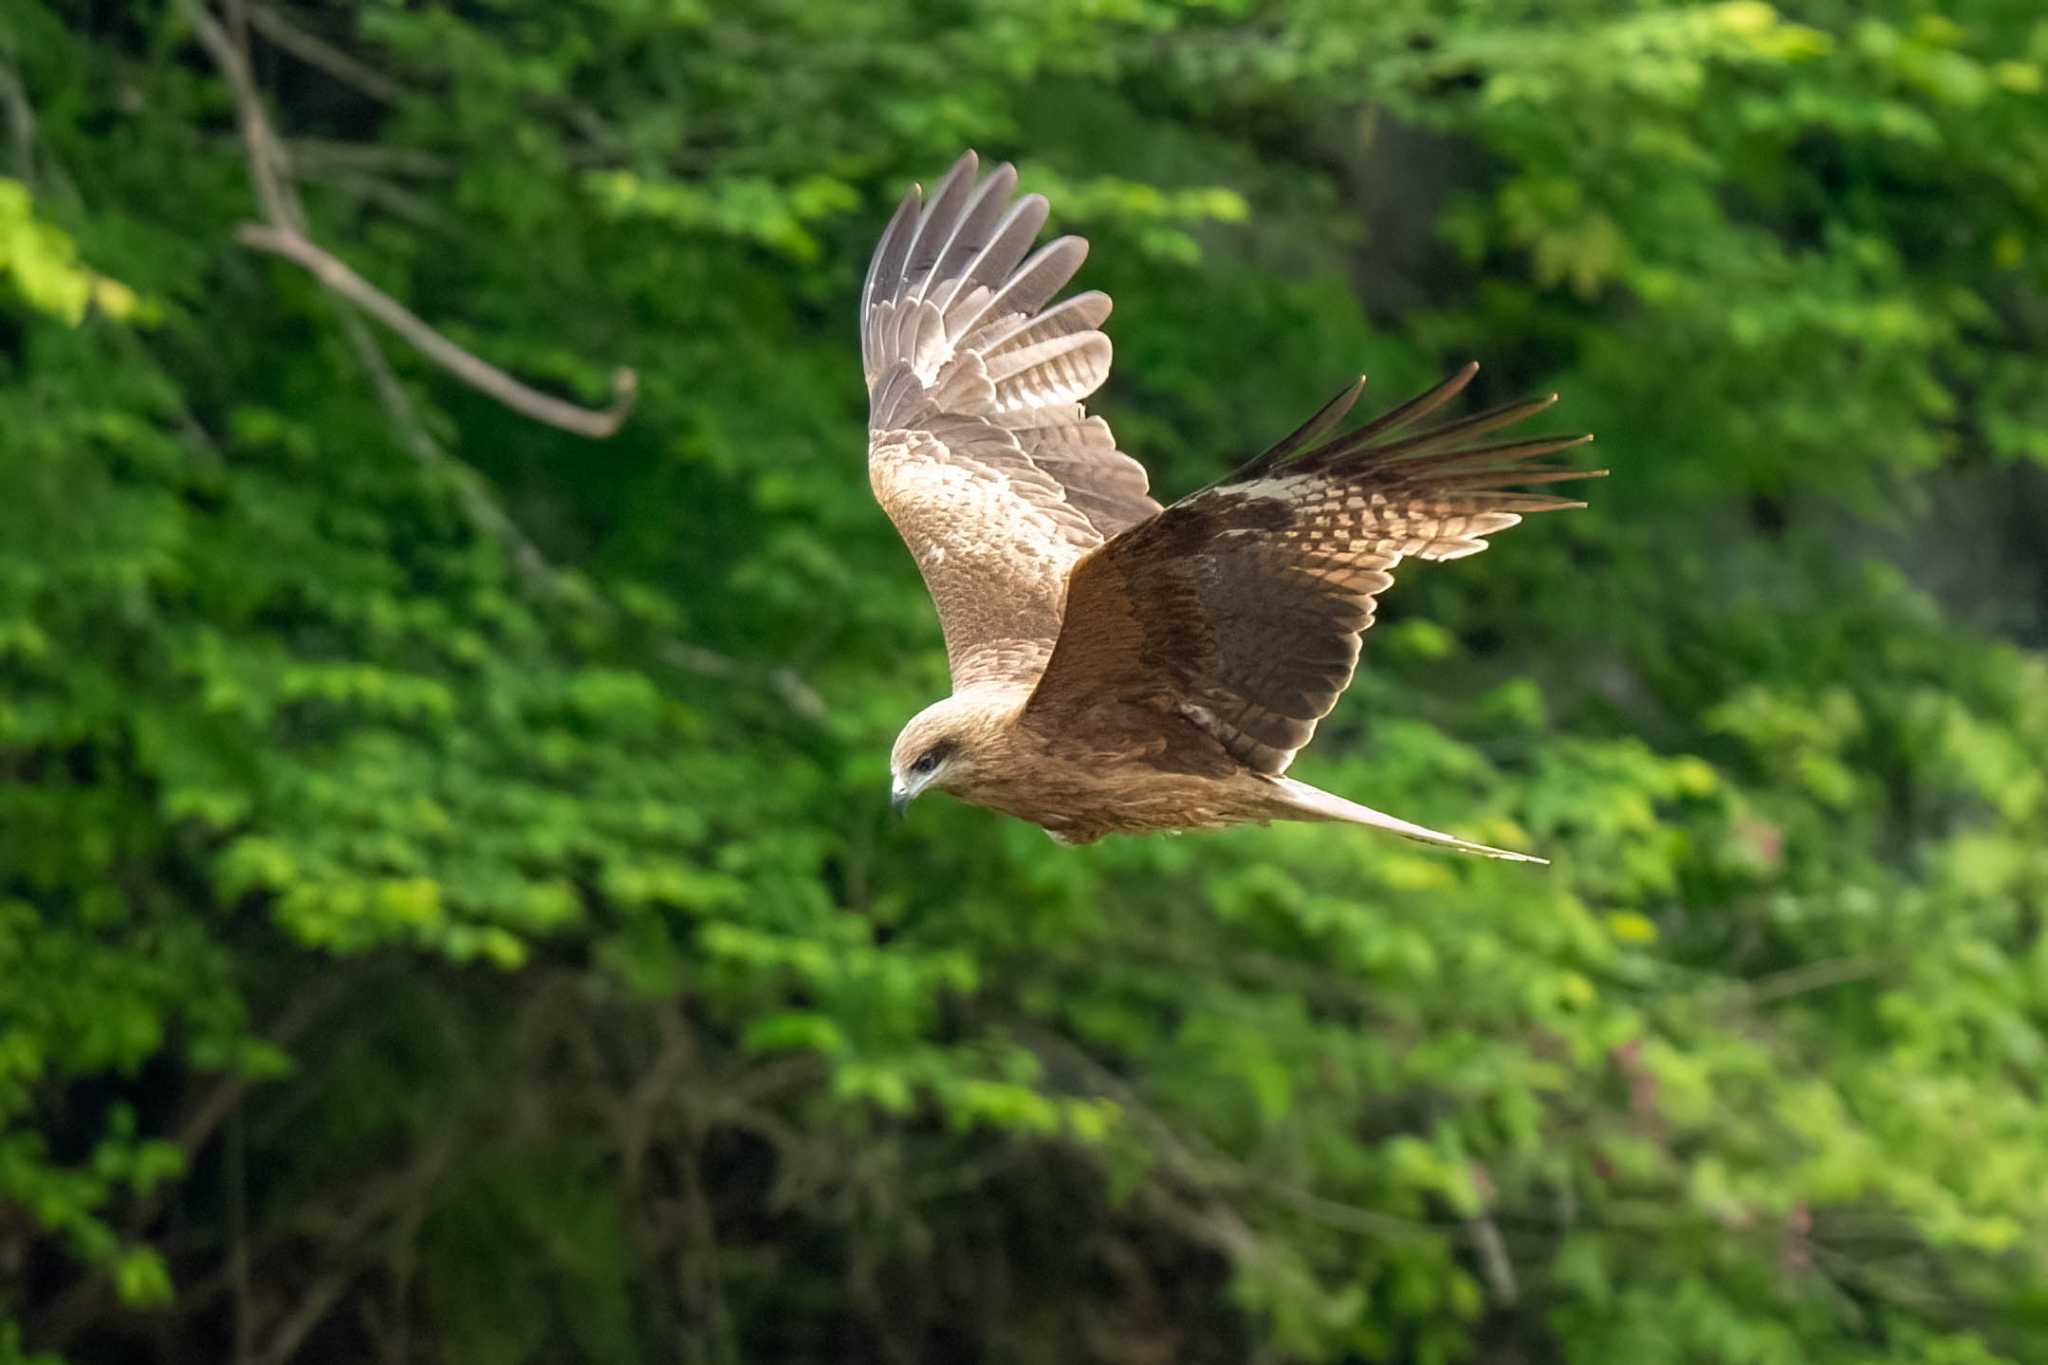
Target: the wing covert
(1240, 608)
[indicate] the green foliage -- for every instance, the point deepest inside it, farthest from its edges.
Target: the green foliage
(41, 265)
(412, 943)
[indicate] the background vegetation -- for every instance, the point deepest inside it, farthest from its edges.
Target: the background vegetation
(448, 909)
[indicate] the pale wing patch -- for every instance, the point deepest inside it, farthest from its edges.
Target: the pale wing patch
(1240, 608)
(980, 450)
(1287, 488)
(971, 514)
(1318, 512)
(994, 560)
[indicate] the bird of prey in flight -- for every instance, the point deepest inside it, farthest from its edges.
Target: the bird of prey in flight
(1119, 667)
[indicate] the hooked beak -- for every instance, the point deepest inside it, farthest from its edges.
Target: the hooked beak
(900, 798)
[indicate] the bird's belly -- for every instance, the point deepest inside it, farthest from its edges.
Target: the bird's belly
(1081, 806)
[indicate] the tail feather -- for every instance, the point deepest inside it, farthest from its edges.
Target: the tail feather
(1300, 801)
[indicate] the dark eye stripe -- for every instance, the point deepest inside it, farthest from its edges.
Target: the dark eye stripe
(934, 756)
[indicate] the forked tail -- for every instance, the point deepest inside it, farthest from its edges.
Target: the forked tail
(1300, 801)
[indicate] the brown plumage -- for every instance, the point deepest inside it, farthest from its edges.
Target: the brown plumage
(1119, 667)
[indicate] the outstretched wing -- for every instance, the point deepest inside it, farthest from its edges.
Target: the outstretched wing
(1240, 607)
(978, 446)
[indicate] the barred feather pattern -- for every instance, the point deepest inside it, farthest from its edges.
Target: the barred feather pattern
(1240, 608)
(980, 450)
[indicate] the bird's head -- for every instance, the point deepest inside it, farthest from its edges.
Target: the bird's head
(945, 746)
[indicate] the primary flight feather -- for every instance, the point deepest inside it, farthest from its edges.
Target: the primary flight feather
(1119, 667)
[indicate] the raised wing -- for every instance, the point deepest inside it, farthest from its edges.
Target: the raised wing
(978, 446)
(1240, 607)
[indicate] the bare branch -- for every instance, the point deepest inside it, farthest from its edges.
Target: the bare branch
(797, 694)
(402, 1201)
(21, 123)
(1493, 1259)
(317, 52)
(483, 509)
(478, 374)
(1815, 976)
(398, 202)
(1188, 1154)
(285, 235)
(306, 1008)
(368, 156)
(238, 1238)
(267, 159)
(485, 512)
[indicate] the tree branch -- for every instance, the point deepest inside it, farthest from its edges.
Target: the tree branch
(1206, 1169)
(1816, 976)
(1493, 1260)
(284, 234)
(478, 374)
(267, 158)
(21, 123)
(399, 203)
(368, 156)
(317, 52)
(785, 682)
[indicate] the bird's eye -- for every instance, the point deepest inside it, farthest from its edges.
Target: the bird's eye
(925, 764)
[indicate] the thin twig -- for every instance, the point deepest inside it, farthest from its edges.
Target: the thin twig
(21, 123)
(483, 509)
(478, 374)
(238, 1238)
(1814, 976)
(285, 234)
(405, 1199)
(312, 1310)
(369, 156)
(798, 695)
(267, 158)
(1190, 1155)
(317, 52)
(485, 512)
(222, 1102)
(399, 203)
(307, 1007)
(1493, 1259)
